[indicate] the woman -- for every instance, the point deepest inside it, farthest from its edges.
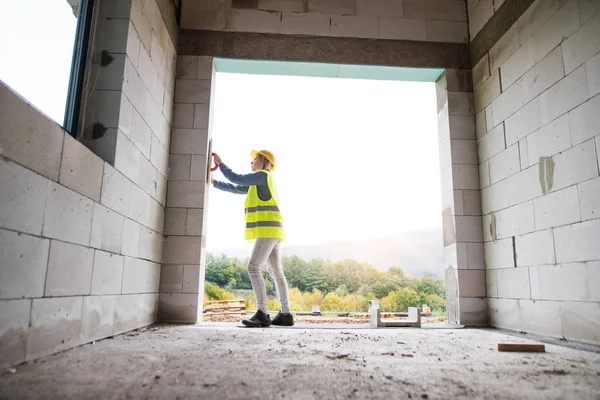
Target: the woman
(264, 225)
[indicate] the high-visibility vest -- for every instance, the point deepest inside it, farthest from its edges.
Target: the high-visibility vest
(263, 219)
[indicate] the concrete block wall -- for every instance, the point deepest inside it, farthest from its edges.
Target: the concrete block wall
(182, 276)
(423, 20)
(537, 99)
(480, 12)
(81, 233)
(461, 214)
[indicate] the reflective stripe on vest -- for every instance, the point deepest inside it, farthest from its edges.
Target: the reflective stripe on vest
(263, 218)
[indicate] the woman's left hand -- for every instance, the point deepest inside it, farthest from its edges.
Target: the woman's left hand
(217, 159)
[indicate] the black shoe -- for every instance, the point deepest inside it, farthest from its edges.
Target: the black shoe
(259, 319)
(283, 319)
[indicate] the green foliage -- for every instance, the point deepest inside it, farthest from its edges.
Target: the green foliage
(335, 286)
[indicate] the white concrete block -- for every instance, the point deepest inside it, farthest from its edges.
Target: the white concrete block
(182, 249)
(154, 16)
(471, 202)
(81, 170)
(577, 242)
(131, 238)
(127, 313)
(491, 283)
(116, 190)
(185, 194)
(592, 69)
(499, 254)
(543, 75)
(67, 215)
(141, 134)
(515, 220)
(175, 221)
(22, 198)
(28, 137)
(179, 307)
(564, 96)
(509, 102)
(191, 278)
(107, 229)
(528, 119)
(513, 283)
(489, 118)
(187, 67)
(589, 199)
(247, 20)
(521, 61)
(516, 189)
(585, 121)
(55, 325)
(159, 156)
(445, 155)
(461, 103)
(536, 248)
(139, 206)
(183, 115)
(148, 308)
(582, 45)
(443, 133)
(201, 116)
(97, 317)
(389, 8)
(523, 154)
(69, 270)
(484, 174)
(132, 49)
(480, 15)
(199, 168)
(14, 323)
(24, 260)
(473, 311)
(344, 7)
(570, 282)
(192, 91)
(213, 15)
(189, 141)
(462, 127)
(504, 48)
(108, 273)
(487, 92)
(171, 278)
(498, 4)
(150, 245)
(441, 10)
(195, 222)
(550, 140)
(157, 216)
(535, 16)
(557, 209)
(299, 23)
(447, 31)
(125, 115)
(504, 313)
(142, 25)
(133, 87)
(465, 177)
(402, 28)
(575, 165)
(580, 321)
(140, 276)
(475, 256)
(480, 124)
(281, 5)
(561, 25)
(471, 282)
(179, 167)
(534, 317)
(468, 229)
(481, 71)
(354, 26)
(505, 164)
(161, 190)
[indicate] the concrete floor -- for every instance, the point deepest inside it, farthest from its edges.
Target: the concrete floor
(227, 362)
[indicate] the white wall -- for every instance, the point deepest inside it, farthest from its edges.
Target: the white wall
(537, 96)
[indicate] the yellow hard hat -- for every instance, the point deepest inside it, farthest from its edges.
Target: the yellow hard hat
(266, 154)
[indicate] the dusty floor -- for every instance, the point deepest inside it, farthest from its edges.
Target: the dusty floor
(227, 362)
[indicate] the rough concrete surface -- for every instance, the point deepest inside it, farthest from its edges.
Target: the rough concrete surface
(223, 361)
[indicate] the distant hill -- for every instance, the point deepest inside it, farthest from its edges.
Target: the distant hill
(418, 252)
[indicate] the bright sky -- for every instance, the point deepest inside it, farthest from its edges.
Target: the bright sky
(36, 50)
(356, 159)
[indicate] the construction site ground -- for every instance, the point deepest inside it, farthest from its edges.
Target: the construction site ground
(224, 361)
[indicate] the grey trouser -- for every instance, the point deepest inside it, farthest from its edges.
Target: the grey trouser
(267, 249)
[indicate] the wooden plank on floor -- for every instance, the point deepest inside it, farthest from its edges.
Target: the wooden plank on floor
(522, 347)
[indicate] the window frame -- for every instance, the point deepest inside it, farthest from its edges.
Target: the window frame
(78, 64)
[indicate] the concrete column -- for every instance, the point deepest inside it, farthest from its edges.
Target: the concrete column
(461, 200)
(182, 274)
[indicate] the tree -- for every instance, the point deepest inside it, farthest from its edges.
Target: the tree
(428, 285)
(407, 297)
(331, 302)
(435, 302)
(382, 288)
(389, 303)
